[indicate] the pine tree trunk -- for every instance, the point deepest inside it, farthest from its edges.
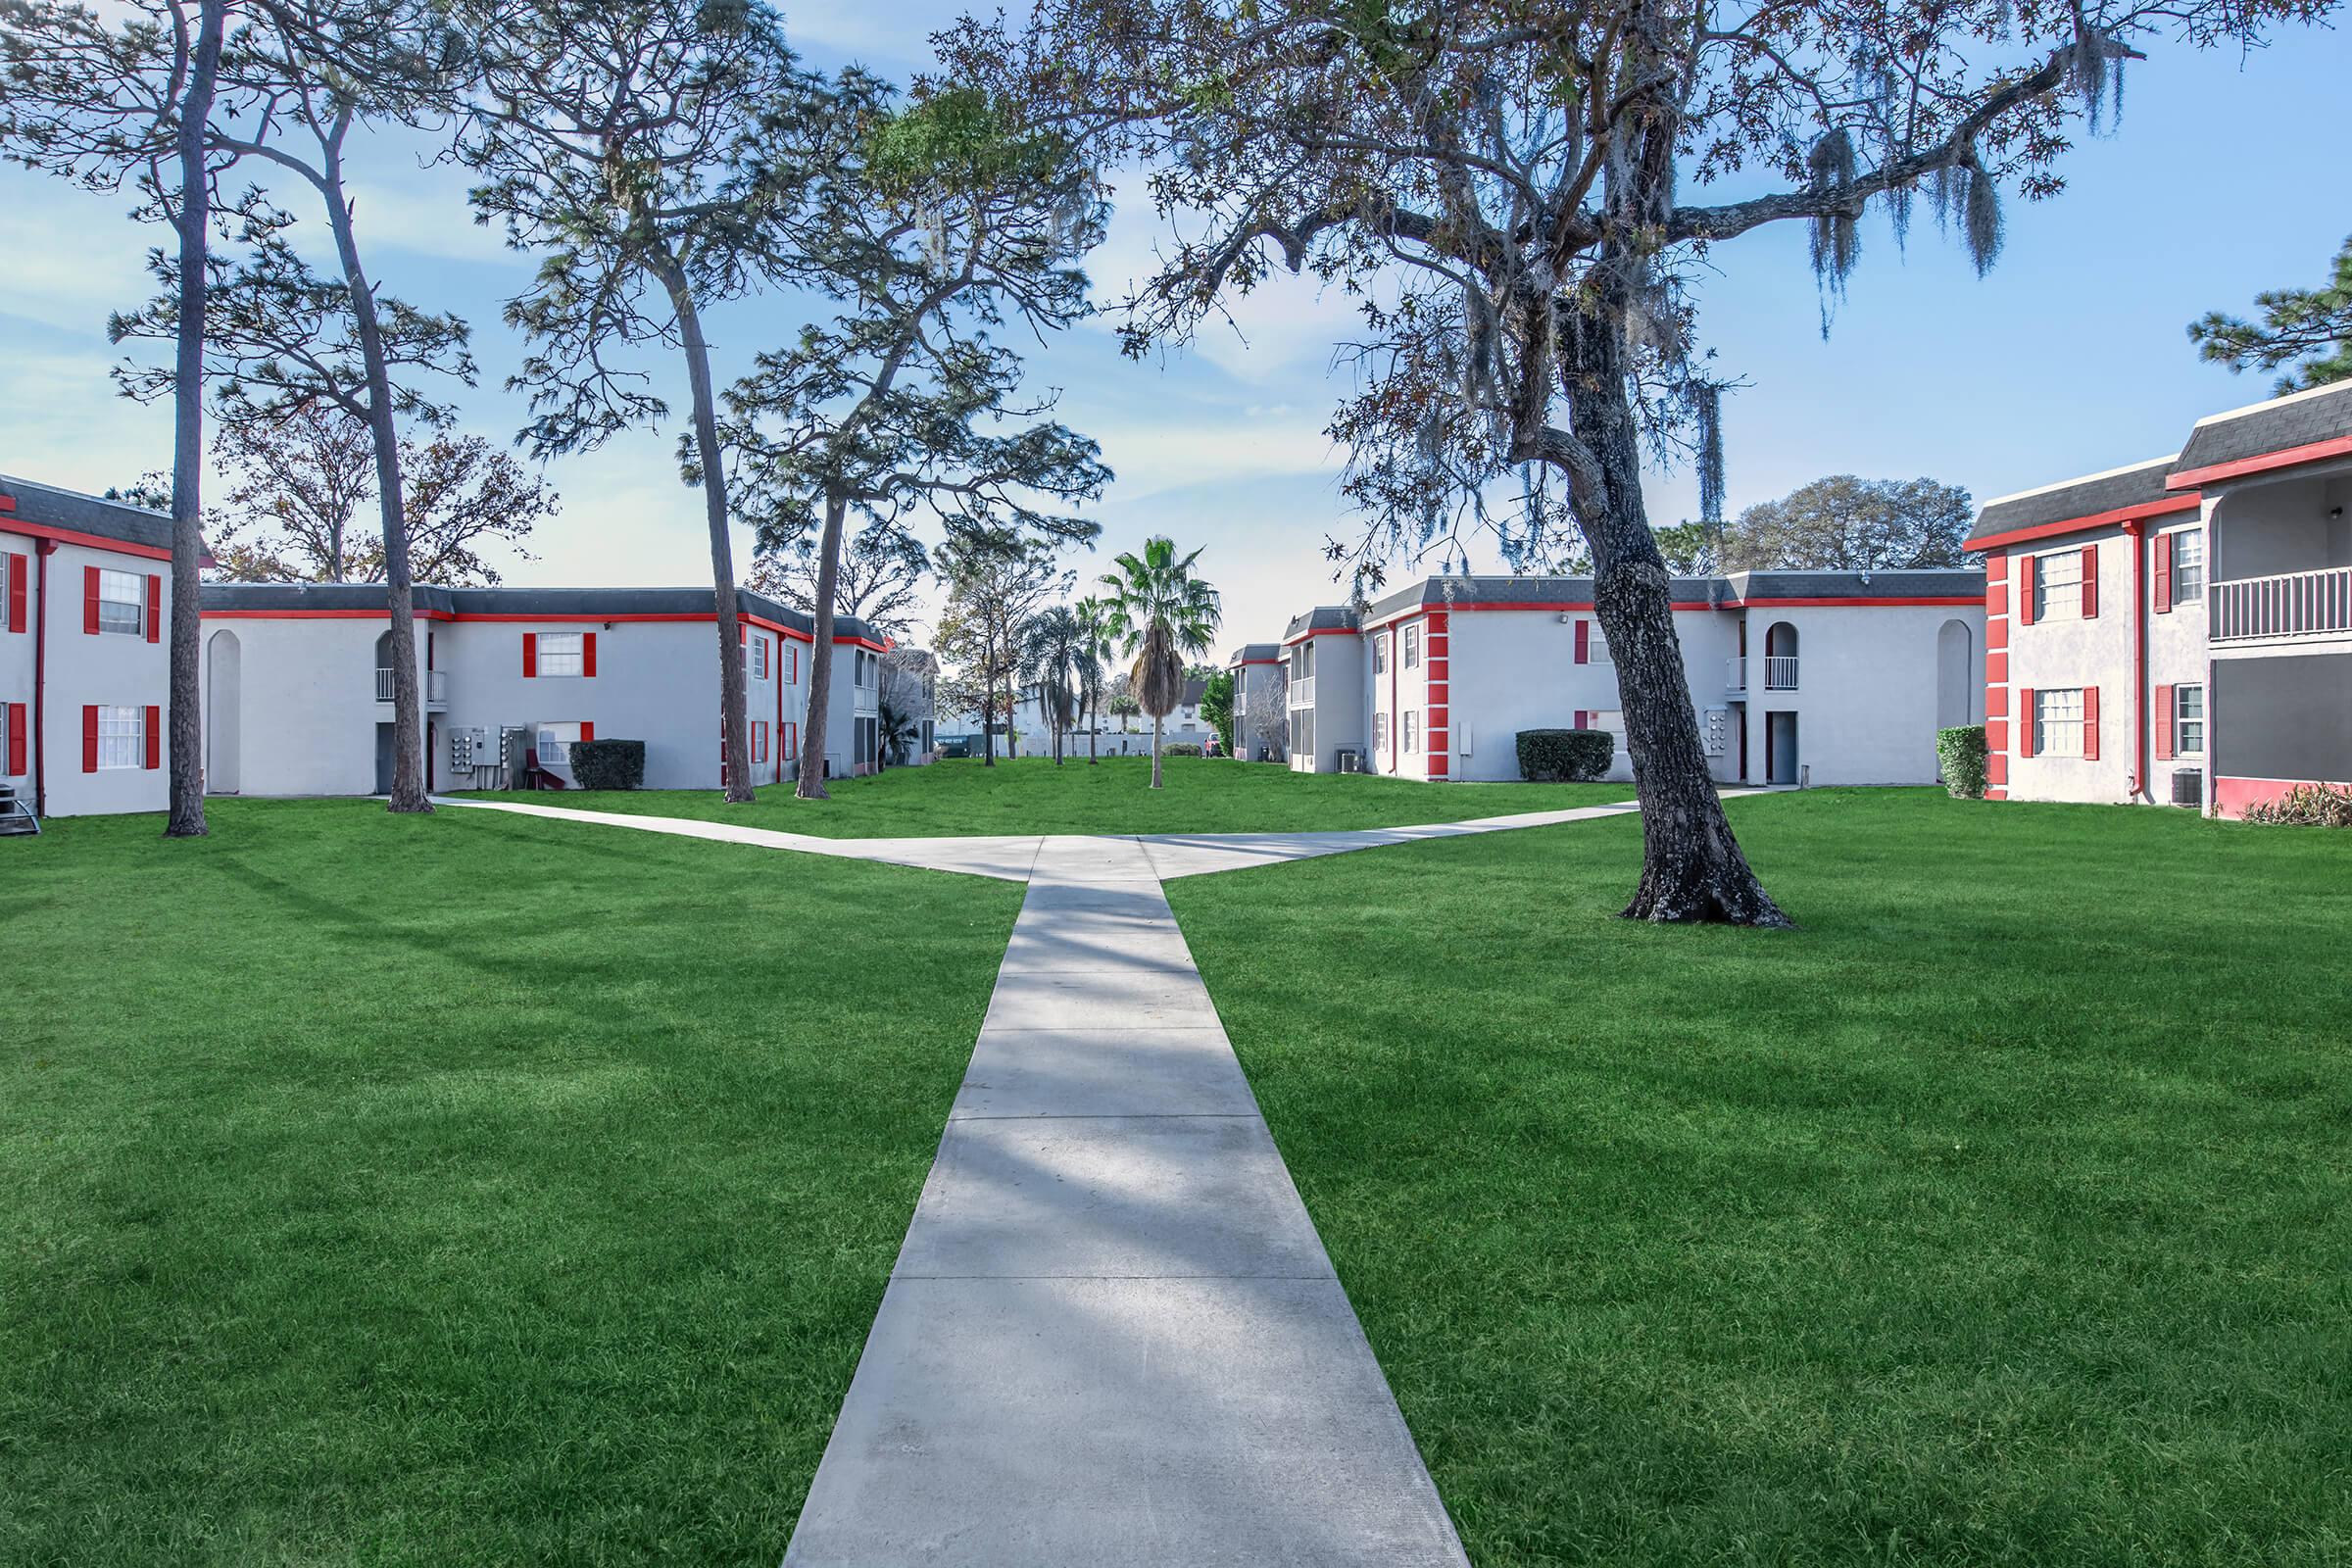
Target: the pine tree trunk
(186, 762)
(1692, 867)
(1094, 734)
(408, 706)
(812, 786)
(733, 729)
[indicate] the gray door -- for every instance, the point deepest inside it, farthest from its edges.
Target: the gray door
(383, 758)
(1779, 747)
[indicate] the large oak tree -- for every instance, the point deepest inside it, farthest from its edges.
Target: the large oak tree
(1523, 191)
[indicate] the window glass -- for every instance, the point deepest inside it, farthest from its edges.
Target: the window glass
(560, 653)
(2188, 567)
(2188, 721)
(122, 603)
(121, 738)
(1412, 647)
(2058, 722)
(2058, 585)
(1412, 724)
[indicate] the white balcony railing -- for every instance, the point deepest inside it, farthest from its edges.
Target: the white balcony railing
(1734, 673)
(1780, 673)
(1303, 693)
(436, 686)
(2292, 604)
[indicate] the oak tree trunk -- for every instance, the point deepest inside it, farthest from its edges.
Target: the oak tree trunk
(186, 762)
(1692, 867)
(812, 786)
(733, 730)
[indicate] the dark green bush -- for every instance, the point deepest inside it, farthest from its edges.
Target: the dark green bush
(1960, 752)
(1181, 749)
(2306, 806)
(1550, 755)
(601, 765)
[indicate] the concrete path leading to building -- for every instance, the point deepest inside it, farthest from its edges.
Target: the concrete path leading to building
(1175, 854)
(1112, 1335)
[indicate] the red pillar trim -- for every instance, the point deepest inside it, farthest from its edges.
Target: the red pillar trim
(587, 653)
(152, 724)
(2134, 542)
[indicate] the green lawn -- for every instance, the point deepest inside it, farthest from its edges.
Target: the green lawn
(2001, 1214)
(1032, 796)
(461, 1190)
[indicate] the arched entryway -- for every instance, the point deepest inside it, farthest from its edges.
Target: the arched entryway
(1959, 682)
(1780, 657)
(224, 707)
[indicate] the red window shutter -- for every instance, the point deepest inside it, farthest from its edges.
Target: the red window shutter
(89, 601)
(2025, 590)
(2090, 723)
(588, 654)
(587, 730)
(1583, 644)
(155, 608)
(89, 739)
(530, 654)
(1581, 717)
(2024, 721)
(15, 738)
(2164, 723)
(19, 570)
(2091, 582)
(2164, 574)
(154, 725)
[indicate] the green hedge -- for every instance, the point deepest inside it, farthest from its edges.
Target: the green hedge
(1180, 748)
(1550, 755)
(601, 765)
(1961, 754)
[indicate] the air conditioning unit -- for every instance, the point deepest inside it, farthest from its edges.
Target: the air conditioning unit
(2189, 787)
(1351, 761)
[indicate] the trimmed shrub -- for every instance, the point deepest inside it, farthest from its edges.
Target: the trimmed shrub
(1181, 749)
(1547, 755)
(2306, 806)
(1961, 752)
(601, 765)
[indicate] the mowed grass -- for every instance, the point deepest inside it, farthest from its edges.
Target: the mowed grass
(2001, 1214)
(461, 1190)
(1198, 795)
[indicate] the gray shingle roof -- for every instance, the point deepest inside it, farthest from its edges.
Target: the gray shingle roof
(91, 515)
(1726, 592)
(2299, 419)
(515, 601)
(1249, 652)
(1939, 582)
(2140, 484)
(1325, 618)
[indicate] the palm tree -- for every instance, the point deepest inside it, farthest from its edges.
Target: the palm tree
(1094, 630)
(1165, 613)
(1053, 649)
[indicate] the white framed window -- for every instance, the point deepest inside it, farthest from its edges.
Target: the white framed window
(2188, 570)
(122, 603)
(1380, 732)
(2058, 585)
(2188, 721)
(758, 658)
(121, 738)
(1412, 726)
(1379, 654)
(2058, 722)
(1412, 649)
(563, 653)
(1597, 646)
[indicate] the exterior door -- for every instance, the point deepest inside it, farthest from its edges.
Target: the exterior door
(1779, 747)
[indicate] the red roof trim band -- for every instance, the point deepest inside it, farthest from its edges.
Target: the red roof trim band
(2290, 458)
(94, 541)
(2096, 520)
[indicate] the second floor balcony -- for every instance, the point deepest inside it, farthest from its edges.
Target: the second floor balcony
(1302, 692)
(436, 687)
(2288, 605)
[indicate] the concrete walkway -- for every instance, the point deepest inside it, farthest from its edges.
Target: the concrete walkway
(1113, 1336)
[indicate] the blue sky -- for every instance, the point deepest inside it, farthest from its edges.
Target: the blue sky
(2227, 178)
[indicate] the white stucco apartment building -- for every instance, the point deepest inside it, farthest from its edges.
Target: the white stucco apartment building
(1820, 677)
(298, 689)
(85, 599)
(2180, 630)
